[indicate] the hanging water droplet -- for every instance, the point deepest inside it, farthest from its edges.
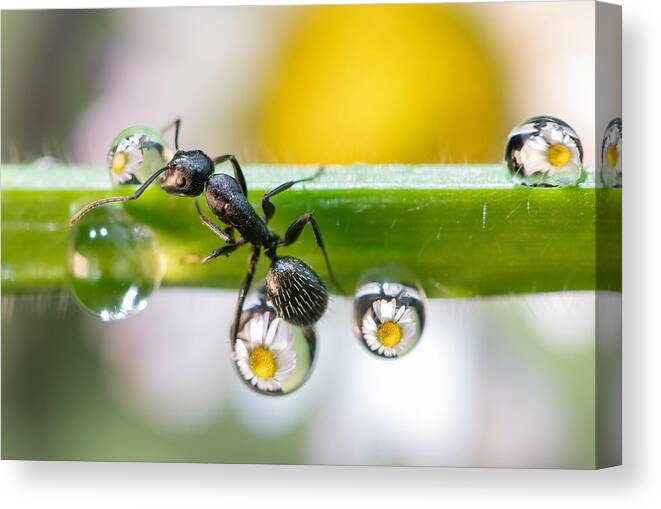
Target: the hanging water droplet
(611, 154)
(114, 264)
(272, 357)
(389, 312)
(135, 154)
(544, 151)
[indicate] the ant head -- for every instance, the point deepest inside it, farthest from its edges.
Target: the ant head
(187, 173)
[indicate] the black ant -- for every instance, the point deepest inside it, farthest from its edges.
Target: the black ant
(296, 291)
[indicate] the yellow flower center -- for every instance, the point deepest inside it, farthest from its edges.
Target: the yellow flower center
(611, 155)
(389, 334)
(558, 154)
(262, 363)
(119, 161)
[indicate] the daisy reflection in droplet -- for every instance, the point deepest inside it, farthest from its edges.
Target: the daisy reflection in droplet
(135, 154)
(611, 154)
(264, 352)
(389, 329)
(544, 151)
(551, 151)
(125, 159)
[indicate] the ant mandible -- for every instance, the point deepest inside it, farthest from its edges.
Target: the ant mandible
(296, 291)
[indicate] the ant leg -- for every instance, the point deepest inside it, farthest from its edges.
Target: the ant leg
(229, 231)
(294, 232)
(176, 123)
(245, 286)
(221, 251)
(104, 201)
(223, 235)
(268, 207)
(238, 172)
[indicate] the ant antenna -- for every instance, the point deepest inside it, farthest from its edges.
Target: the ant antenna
(104, 201)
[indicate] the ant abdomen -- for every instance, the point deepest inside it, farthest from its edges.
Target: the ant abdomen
(296, 291)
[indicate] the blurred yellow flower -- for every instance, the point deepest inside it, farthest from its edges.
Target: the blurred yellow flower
(386, 83)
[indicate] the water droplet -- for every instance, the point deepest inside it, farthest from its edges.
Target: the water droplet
(389, 312)
(114, 264)
(611, 154)
(135, 154)
(271, 356)
(544, 151)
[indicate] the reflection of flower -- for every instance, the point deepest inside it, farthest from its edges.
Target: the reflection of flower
(392, 331)
(611, 153)
(125, 159)
(551, 151)
(263, 352)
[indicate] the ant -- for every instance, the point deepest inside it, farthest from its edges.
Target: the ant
(296, 291)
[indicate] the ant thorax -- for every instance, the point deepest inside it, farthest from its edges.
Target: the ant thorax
(230, 205)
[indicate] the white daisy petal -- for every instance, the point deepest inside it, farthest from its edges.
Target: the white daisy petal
(532, 156)
(247, 373)
(287, 361)
(271, 331)
(536, 143)
(256, 330)
(408, 330)
(268, 385)
(554, 135)
(376, 306)
(369, 325)
(135, 158)
(284, 338)
(407, 316)
(240, 348)
(388, 310)
(373, 343)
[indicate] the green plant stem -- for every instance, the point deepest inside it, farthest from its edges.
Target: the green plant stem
(464, 230)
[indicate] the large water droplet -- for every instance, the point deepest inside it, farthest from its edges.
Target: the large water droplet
(544, 151)
(135, 154)
(271, 356)
(611, 154)
(389, 312)
(114, 264)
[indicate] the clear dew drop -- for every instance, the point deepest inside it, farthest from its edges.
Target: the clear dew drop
(135, 154)
(114, 264)
(271, 356)
(611, 154)
(545, 151)
(389, 312)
